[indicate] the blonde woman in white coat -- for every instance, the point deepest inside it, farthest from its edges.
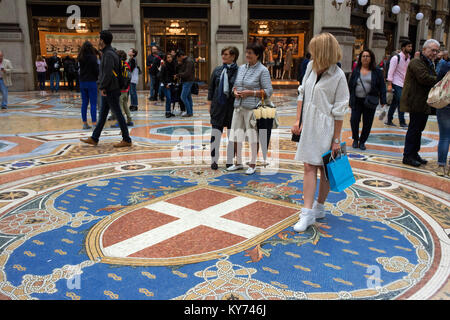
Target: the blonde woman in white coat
(324, 101)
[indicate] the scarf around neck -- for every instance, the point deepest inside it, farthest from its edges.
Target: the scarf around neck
(224, 86)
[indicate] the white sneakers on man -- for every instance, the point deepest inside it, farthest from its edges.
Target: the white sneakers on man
(307, 218)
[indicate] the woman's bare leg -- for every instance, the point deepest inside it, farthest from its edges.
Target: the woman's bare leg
(309, 185)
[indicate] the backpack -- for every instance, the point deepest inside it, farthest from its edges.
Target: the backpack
(124, 75)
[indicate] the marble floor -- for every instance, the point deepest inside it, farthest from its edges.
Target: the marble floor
(153, 221)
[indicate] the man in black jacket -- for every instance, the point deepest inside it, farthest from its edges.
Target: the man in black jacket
(153, 64)
(186, 74)
(54, 66)
(109, 87)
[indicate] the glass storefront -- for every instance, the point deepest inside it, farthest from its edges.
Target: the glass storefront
(191, 36)
(50, 33)
(284, 42)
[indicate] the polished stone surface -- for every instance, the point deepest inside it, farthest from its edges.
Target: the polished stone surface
(153, 221)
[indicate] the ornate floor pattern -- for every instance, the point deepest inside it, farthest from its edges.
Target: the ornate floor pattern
(154, 222)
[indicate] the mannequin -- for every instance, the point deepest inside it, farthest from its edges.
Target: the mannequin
(288, 62)
(279, 62)
(270, 61)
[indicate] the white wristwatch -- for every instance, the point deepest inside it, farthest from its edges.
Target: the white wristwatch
(337, 141)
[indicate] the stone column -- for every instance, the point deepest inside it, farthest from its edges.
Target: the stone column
(15, 43)
(424, 24)
(229, 27)
(336, 20)
(442, 13)
(378, 39)
(438, 33)
(123, 19)
(403, 22)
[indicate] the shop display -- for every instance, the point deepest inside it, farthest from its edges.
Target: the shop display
(65, 43)
(280, 52)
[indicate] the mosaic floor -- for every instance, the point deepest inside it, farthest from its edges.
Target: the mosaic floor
(154, 222)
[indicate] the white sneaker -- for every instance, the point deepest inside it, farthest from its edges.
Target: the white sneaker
(235, 167)
(319, 210)
(183, 114)
(307, 218)
(250, 171)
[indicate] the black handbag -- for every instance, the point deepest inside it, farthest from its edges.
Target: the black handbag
(195, 88)
(370, 102)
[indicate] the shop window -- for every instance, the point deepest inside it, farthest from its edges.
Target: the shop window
(173, 34)
(284, 42)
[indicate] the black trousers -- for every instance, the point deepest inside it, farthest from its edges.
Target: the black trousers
(264, 134)
(417, 124)
(111, 102)
(155, 84)
(216, 137)
(367, 114)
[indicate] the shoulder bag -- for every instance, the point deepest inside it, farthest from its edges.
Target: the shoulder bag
(370, 102)
(439, 96)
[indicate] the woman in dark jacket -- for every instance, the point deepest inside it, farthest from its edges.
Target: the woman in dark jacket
(220, 94)
(89, 71)
(167, 77)
(367, 88)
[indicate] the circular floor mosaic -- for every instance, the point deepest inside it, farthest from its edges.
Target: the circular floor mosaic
(137, 232)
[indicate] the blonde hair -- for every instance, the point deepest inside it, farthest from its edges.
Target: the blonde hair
(325, 51)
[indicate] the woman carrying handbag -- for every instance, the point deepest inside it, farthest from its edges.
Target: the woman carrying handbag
(322, 103)
(367, 88)
(251, 78)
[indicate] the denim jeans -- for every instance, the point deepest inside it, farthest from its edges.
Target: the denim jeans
(395, 105)
(4, 92)
(168, 95)
(443, 118)
(154, 86)
(133, 95)
(54, 77)
(88, 95)
(111, 102)
(186, 97)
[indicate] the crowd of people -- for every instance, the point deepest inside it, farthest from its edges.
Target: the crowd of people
(409, 80)
(236, 94)
(172, 77)
(109, 78)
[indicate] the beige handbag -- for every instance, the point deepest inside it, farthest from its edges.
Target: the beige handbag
(439, 96)
(266, 110)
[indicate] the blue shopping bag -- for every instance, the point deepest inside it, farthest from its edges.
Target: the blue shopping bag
(338, 170)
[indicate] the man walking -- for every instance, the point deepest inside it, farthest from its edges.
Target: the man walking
(109, 86)
(187, 76)
(420, 78)
(5, 79)
(396, 79)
